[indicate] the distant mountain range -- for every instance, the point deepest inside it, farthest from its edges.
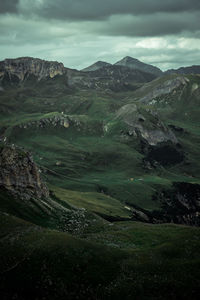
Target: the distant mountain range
(98, 76)
(125, 74)
(185, 70)
(127, 62)
(133, 63)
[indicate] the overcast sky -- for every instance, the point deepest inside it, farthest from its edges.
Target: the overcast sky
(79, 32)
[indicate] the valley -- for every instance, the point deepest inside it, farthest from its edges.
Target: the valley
(100, 175)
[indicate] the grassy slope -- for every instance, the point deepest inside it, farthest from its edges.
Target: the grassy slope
(130, 260)
(85, 158)
(121, 261)
(96, 202)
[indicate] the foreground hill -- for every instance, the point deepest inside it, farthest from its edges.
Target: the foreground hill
(126, 260)
(86, 257)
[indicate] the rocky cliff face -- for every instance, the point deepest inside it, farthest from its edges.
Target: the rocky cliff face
(24, 194)
(20, 175)
(145, 125)
(158, 143)
(24, 67)
(164, 88)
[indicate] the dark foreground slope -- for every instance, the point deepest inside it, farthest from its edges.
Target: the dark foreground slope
(137, 262)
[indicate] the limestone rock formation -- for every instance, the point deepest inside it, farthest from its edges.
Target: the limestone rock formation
(145, 125)
(163, 88)
(20, 175)
(23, 67)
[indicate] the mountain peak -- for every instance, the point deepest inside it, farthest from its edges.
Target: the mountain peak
(134, 63)
(97, 65)
(129, 58)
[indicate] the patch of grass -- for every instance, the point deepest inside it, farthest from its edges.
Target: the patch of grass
(94, 202)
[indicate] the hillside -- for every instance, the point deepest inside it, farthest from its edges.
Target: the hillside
(94, 167)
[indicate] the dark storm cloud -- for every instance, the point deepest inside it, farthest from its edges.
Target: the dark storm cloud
(8, 6)
(96, 9)
(80, 32)
(120, 17)
(149, 25)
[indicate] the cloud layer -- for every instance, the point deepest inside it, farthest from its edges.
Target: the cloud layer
(78, 32)
(95, 9)
(9, 6)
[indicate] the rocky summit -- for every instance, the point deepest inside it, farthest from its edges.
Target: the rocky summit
(134, 63)
(99, 181)
(96, 66)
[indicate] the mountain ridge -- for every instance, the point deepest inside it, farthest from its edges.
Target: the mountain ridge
(95, 66)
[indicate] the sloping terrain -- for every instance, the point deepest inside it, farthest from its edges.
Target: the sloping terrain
(127, 145)
(79, 164)
(126, 260)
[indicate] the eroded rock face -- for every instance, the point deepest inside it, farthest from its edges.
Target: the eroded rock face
(25, 66)
(145, 125)
(164, 88)
(20, 175)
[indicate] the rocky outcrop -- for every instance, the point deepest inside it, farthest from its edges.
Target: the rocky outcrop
(145, 125)
(59, 121)
(20, 175)
(27, 196)
(155, 140)
(134, 63)
(24, 67)
(164, 88)
(54, 121)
